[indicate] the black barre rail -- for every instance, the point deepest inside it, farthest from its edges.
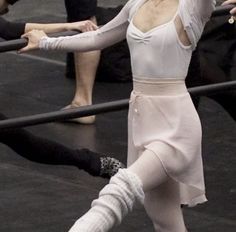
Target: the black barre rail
(63, 115)
(17, 44)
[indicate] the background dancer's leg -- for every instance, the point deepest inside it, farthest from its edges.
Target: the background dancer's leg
(42, 150)
(82, 66)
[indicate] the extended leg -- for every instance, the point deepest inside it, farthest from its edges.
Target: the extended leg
(115, 200)
(127, 186)
(46, 151)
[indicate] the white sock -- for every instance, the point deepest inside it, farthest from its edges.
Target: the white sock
(115, 200)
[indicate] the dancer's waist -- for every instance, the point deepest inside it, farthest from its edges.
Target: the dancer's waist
(159, 86)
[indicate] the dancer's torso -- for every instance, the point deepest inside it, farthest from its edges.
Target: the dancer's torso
(157, 53)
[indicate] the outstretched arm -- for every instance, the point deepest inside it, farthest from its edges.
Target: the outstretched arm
(109, 34)
(82, 26)
(14, 30)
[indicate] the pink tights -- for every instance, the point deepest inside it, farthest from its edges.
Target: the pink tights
(162, 200)
(145, 181)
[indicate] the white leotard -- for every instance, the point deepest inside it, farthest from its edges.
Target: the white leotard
(157, 53)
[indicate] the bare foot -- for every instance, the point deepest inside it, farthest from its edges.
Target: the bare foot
(82, 120)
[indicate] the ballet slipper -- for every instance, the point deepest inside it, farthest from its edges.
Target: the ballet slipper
(81, 120)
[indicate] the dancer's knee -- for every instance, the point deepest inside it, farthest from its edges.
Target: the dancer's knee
(163, 207)
(150, 170)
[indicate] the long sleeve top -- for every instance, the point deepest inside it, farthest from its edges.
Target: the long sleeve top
(153, 52)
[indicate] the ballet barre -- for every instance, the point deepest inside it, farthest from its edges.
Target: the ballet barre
(82, 111)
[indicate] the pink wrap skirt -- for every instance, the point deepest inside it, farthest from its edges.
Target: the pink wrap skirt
(163, 119)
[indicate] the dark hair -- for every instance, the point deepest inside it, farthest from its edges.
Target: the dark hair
(11, 1)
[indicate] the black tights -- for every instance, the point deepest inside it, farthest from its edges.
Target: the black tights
(42, 150)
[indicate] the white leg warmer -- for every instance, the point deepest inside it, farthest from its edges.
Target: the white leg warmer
(115, 200)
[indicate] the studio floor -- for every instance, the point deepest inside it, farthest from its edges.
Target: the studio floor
(44, 198)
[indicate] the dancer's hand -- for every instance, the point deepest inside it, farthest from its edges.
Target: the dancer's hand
(83, 26)
(33, 37)
(233, 11)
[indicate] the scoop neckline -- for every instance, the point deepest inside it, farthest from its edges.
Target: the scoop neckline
(158, 26)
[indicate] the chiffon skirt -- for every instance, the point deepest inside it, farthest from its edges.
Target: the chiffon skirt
(163, 119)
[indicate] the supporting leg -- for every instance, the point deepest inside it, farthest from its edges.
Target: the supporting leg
(163, 207)
(85, 72)
(162, 199)
(82, 66)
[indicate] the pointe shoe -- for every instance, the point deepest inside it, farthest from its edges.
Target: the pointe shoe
(82, 120)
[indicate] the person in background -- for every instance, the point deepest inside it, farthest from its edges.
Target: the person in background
(39, 149)
(45, 151)
(81, 66)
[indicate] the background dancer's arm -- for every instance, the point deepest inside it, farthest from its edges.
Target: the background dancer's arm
(82, 26)
(13, 30)
(107, 35)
